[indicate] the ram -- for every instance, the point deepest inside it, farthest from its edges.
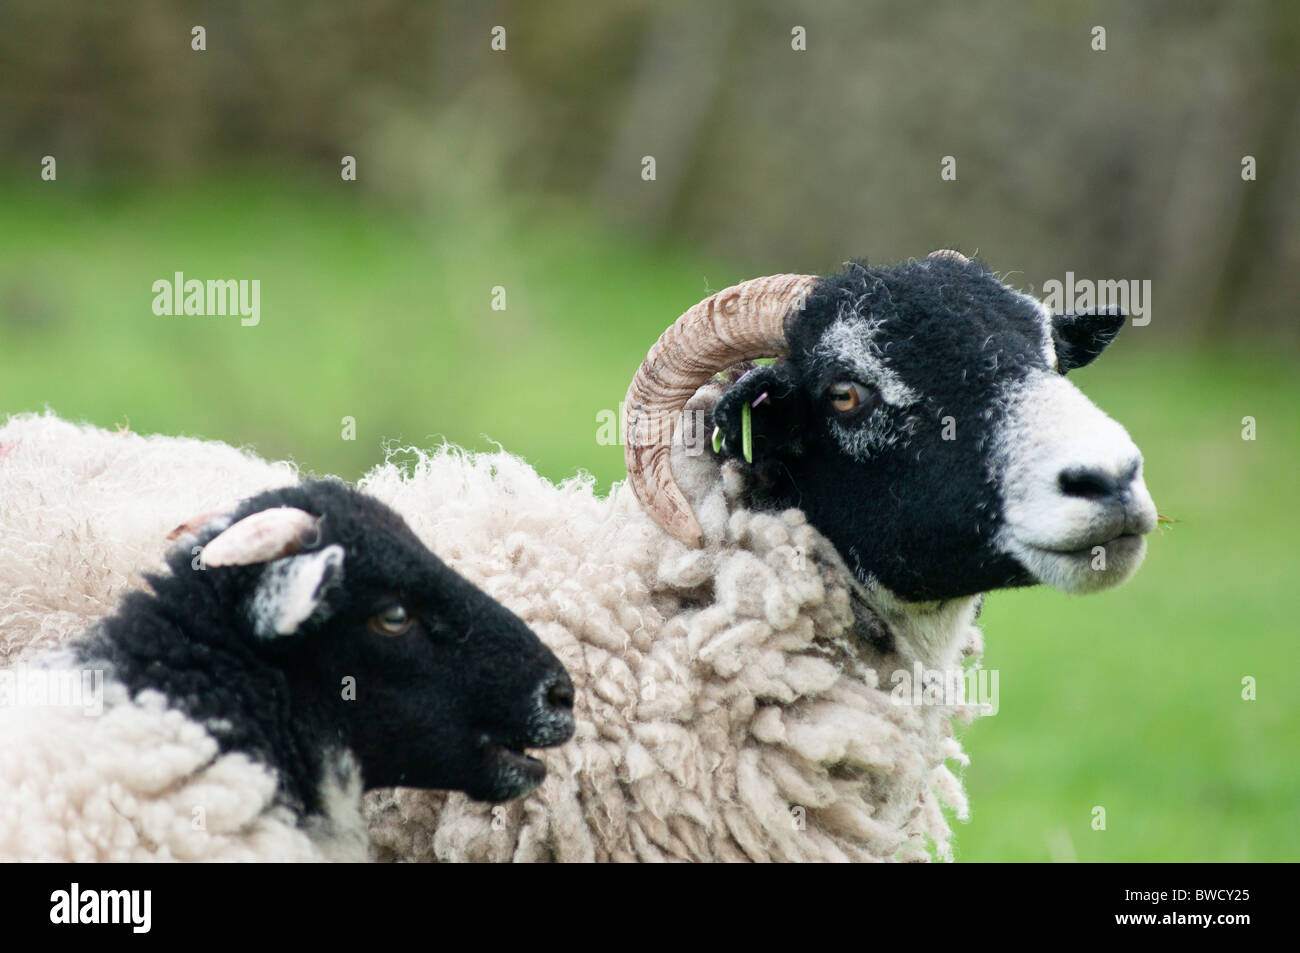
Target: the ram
(297, 651)
(742, 618)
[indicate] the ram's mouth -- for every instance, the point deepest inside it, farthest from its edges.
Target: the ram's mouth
(1123, 544)
(1099, 565)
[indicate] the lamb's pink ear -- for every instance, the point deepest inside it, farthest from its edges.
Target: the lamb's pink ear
(265, 536)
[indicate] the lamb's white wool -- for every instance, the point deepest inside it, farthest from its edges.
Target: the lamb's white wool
(84, 511)
(731, 704)
(74, 787)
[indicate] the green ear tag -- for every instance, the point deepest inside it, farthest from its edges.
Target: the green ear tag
(746, 434)
(717, 439)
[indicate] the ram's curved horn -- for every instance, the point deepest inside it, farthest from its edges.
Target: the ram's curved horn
(262, 537)
(942, 253)
(737, 324)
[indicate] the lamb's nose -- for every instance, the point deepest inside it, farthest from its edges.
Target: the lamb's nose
(553, 722)
(559, 693)
(1098, 484)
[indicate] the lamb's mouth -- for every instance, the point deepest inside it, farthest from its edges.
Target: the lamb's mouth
(507, 760)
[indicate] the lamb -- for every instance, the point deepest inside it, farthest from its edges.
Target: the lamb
(297, 651)
(743, 623)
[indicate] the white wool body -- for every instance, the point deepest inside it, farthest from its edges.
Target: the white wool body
(139, 781)
(728, 707)
(84, 511)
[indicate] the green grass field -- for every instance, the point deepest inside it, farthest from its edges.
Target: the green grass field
(1130, 700)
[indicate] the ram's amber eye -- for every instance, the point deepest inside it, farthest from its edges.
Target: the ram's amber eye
(846, 395)
(392, 620)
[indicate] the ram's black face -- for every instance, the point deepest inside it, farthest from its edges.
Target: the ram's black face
(922, 423)
(428, 681)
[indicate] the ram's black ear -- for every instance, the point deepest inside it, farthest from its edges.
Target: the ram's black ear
(775, 413)
(1082, 335)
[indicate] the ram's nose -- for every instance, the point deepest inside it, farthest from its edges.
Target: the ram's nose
(1117, 488)
(1106, 485)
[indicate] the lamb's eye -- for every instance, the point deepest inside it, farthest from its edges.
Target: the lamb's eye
(846, 395)
(392, 620)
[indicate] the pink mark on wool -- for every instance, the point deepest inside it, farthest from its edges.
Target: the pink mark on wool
(7, 447)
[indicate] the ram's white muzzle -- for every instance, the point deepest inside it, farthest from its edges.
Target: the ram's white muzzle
(1075, 507)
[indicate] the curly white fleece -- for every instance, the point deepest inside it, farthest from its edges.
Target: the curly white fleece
(141, 781)
(84, 511)
(726, 707)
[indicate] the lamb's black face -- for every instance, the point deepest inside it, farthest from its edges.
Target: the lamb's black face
(430, 682)
(923, 424)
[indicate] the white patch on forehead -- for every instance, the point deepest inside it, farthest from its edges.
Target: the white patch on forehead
(293, 589)
(854, 343)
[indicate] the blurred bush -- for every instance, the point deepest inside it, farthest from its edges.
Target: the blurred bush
(1117, 164)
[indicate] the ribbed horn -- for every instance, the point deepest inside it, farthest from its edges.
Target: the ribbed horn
(943, 253)
(737, 324)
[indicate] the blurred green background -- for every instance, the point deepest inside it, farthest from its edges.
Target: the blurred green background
(522, 169)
